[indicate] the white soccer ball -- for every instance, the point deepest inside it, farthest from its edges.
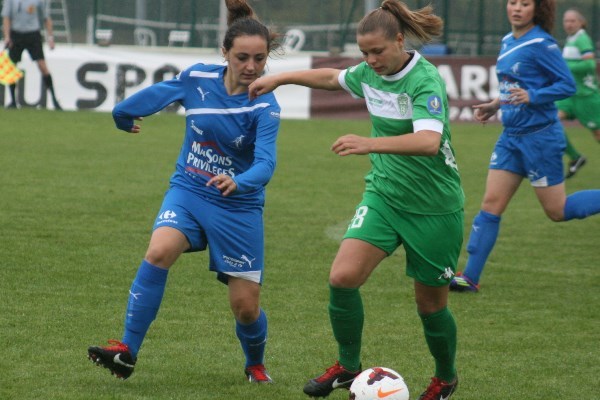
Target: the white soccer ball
(379, 383)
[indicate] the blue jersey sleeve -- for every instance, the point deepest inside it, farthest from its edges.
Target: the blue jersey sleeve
(552, 66)
(263, 166)
(147, 102)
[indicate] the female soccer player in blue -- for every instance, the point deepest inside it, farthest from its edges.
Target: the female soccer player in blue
(216, 194)
(532, 75)
(413, 196)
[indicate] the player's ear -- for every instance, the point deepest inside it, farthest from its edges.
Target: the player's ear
(400, 40)
(224, 52)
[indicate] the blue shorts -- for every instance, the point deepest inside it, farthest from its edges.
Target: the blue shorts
(234, 236)
(537, 155)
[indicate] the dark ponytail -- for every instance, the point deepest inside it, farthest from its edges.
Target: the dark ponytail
(242, 21)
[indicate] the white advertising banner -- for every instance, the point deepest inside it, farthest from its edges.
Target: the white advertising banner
(97, 78)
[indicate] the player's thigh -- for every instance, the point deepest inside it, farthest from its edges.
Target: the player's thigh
(500, 187)
(566, 108)
(236, 242)
(355, 261)
(179, 210)
(553, 199)
(35, 47)
(369, 238)
(432, 244)
(15, 52)
(542, 154)
(166, 245)
(588, 111)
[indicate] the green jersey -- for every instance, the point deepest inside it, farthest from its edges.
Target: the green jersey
(584, 71)
(414, 99)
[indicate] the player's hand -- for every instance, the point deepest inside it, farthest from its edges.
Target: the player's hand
(262, 85)
(351, 144)
(8, 43)
(51, 42)
(484, 111)
(519, 96)
(136, 128)
(224, 183)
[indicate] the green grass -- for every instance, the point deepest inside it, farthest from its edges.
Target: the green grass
(77, 205)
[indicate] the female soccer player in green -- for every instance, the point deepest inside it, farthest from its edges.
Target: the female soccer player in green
(413, 195)
(585, 104)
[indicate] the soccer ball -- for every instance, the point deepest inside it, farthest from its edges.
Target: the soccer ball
(379, 383)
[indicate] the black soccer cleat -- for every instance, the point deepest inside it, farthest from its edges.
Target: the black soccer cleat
(335, 377)
(575, 165)
(439, 389)
(116, 358)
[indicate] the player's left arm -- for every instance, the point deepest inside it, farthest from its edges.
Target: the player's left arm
(583, 66)
(263, 166)
(424, 142)
(49, 32)
(428, 127)
(553, 66)
(587, 63)
(44, 15)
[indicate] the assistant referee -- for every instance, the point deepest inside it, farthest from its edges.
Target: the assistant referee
(22, 24)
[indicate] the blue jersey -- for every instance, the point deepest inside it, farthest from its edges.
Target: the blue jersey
(225, 134)
(532, 62)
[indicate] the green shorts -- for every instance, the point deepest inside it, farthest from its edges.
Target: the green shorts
(432, 242)
(586, 109)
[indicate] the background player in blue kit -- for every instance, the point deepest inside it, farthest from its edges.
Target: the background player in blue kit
(532, 75)
(216, 194)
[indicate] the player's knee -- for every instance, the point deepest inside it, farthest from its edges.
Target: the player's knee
(343, 280)
(161, 256)
(245, 313)
(494, 204)
(555, 215)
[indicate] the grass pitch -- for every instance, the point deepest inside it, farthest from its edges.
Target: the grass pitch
(77, 205)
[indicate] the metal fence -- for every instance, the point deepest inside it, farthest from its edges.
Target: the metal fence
(472, 27)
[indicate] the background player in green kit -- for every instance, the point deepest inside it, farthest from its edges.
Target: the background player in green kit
(585, 104)
(413, 195)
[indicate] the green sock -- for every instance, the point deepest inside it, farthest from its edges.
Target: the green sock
(347, 316)
(570, 151)
(440, 334)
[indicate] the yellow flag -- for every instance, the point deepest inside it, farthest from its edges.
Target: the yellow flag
(9, 73)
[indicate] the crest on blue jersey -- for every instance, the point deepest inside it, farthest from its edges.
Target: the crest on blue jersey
(434, 104)
(515, 68)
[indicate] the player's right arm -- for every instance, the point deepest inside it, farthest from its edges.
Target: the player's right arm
(321, 78)
(6, 30)
(146, 102)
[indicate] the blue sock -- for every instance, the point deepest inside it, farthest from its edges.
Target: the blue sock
(481, 242)
(253, 338)
(145, 296)
(582, 204)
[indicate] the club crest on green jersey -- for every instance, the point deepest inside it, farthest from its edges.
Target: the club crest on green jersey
(403, 104)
